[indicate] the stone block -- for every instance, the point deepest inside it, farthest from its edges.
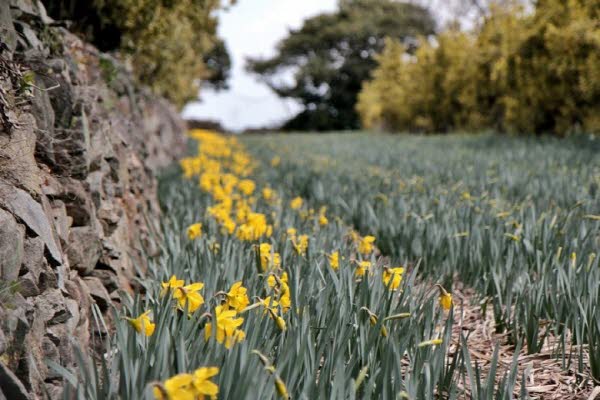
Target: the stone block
(12, 237)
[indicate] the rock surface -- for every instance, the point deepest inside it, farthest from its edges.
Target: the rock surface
(79, 145)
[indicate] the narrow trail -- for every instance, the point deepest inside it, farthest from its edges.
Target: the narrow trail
(546, 376)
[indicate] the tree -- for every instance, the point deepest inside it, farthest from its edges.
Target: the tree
(218, 63)
(332, 53)
(519, 72)
(170, 44)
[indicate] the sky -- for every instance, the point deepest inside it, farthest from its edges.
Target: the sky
(253, 28)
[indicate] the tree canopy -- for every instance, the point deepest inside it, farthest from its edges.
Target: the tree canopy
(332, 53)
(172, 45)
(520, 72)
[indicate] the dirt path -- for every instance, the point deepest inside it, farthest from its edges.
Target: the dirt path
(546, 378)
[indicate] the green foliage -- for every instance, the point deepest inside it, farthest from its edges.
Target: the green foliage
(442, 206)
(218, 63)
(519, 72)
(167, 42)
(517, 219)
(331, 54)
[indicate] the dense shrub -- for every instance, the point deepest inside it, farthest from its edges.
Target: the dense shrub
(535, 72)
(165, 41)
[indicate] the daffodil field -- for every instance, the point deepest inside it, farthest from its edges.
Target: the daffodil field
(351, 266)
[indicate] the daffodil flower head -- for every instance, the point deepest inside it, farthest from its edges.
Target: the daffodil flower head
(446, 301)
(392, 277)
(301, 244)
(268, 194)
(246, 186)
(237, 298)
(227, 324)
(194, 231)
(365, 246)
(143, 324)
(322, 217)
(323, 220)
(172, 283)
(268, 259)
(334, 260)
(363, 267)
(176, 387)
(445, 298)
(291, 233)
(269, 303)
(272, 281)
(189, 386)
(296, 203)
(188, 296)
(202, 383)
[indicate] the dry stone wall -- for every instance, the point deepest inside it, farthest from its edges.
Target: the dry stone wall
(79, 146)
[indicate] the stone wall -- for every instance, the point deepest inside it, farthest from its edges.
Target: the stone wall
(79, 144)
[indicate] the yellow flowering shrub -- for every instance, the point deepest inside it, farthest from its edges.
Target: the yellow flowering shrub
(517, 72)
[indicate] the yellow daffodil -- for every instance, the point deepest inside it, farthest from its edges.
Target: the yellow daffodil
(196, 386)
(445, 298)
(268, 194)
(334, 260)
(172, 283)
(227, 327)
(237, 299)
(229, 226)
(143, 324)
(246, 186)
(269, 304)
(284, 300)
(300, 244)
(202, 383)
(296, 203)
(280, 285)
(177, 387)
(268, 259)
(291, 233)
(275, 161)
(194, 231)
(392, 277)
(322, 217)
(363, 267)
(254, 228)
(446, 301)
(188, 296)
(365, 246)
(323, 220)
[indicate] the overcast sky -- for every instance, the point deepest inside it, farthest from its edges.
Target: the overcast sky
(253, 28)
